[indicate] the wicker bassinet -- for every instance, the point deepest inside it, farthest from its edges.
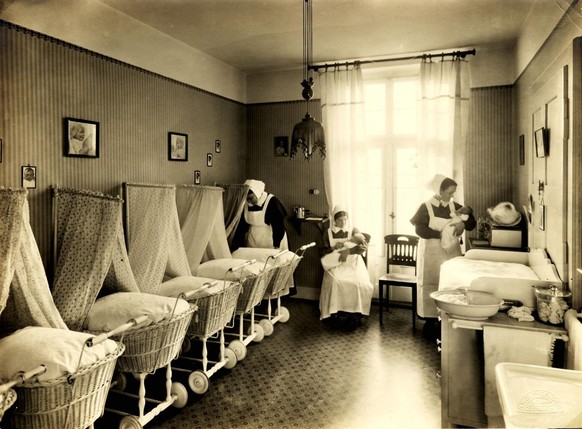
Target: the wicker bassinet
(154, 346)
(73, 401)
(215, 311)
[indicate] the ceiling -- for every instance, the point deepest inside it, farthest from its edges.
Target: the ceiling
(266, 35)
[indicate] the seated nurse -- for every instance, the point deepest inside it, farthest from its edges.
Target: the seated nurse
(346, 285)
(430, 220)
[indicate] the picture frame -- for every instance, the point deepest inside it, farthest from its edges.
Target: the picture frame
(541, 142)
(197, 175)
(28, 176)
(217, 146)
(521, 149)
(81, 138)
(209, 160)
(281, 146)
(177, 146)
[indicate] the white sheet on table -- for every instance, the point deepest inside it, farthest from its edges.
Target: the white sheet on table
(459, 272)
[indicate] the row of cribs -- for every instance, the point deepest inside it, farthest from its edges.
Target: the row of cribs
(96, 315)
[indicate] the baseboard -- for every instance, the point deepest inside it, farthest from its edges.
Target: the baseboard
(307, 293)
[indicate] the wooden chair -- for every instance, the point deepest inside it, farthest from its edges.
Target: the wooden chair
(401, 251)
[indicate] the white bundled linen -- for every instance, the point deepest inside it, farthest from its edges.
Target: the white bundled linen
(264, 255)
(179, 285)
(113, 310)
(221, 269)
(58, 349)
(461, 271)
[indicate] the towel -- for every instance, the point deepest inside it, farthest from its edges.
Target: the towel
(574, 328)
(503, 345)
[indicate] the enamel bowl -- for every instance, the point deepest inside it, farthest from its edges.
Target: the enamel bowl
(467, 304)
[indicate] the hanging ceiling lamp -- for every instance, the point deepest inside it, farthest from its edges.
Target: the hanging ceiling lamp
(308, 135)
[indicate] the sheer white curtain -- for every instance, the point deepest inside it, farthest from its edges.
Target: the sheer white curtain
(444, 112)
(349, 168)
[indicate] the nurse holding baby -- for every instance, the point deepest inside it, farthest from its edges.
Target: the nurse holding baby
(439, 222)
(346, 285)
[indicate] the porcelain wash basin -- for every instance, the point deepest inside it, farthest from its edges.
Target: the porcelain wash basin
(539, 397)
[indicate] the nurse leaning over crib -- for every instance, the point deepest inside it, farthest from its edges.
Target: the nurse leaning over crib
(429, 220)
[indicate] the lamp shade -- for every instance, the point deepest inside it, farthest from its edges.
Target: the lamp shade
(308, 136)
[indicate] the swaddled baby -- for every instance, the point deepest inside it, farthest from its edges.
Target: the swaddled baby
(448, 238)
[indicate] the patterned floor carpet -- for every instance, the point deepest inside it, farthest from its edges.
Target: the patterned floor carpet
(310, 374)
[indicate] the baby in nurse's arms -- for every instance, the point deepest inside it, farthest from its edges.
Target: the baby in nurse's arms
(448, 237)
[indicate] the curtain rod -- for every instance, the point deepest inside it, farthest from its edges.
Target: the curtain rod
(460, 54)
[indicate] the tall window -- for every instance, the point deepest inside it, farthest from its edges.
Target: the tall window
(391, 127)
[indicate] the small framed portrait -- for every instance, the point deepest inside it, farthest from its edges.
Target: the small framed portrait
(217, 146)
(541, 142)
(209, 160)
(28, 176)
(281, 146)
(196, 177)
(81, 138)
(177, 146)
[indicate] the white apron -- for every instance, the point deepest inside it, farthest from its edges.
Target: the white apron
(428, 266)
(260, 234)
(347, 286)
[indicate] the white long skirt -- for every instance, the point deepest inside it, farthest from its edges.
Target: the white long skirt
(346, 287)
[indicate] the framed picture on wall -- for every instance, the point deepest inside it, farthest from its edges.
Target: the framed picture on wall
(281, 146)
(28, 176)
(177, 146)
(217, 146)
(541, 142)
(196, 177)
(209, 160)
(81, 138)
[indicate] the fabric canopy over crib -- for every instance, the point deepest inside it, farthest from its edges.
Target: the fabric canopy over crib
(234, 198)
(25, 297)
(154, 240)
(90, 252)
(201, 217)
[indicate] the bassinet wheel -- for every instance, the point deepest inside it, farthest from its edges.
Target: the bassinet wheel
(230, 357)
(239, 348)
(181, 393)
(198, 382)
(258, 329)
(284, 314)
(119, 381)
(186, 345)
(267, 327)
(130, 422)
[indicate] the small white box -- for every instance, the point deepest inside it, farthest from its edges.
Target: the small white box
(506, 237)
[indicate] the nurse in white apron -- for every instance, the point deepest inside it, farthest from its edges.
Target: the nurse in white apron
(429, 220)
(264, 216)
(346, 285)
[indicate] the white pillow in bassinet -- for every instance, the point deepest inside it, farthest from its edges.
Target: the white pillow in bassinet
(174, 287)
(116, 309)
(58, 349)
(217, 269)
(261, 255)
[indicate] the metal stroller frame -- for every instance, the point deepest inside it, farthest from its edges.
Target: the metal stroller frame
(253, 289)
(214, 313)
(275, 290)
(148, 349)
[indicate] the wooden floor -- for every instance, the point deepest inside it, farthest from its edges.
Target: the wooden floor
(311, 374)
